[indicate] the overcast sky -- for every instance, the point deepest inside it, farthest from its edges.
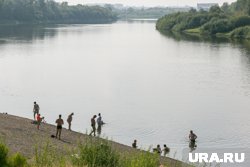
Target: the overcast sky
(149, 2)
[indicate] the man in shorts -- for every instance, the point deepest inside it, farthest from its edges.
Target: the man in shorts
(36, 109)
(59, 123)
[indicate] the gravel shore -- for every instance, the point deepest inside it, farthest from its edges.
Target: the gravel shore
(20, 135)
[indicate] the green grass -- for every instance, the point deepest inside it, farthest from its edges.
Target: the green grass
(92, 153)
(194, 30)
(6, 160)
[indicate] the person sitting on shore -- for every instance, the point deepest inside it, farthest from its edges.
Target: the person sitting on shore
(59, 123)
(69, 120)
(192, 136)
(93, 125)
(134, 144)
(157, 149)
(165, 150)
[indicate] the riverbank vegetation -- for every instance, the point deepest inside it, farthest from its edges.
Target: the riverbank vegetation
(28, 147)
(94, 153)
(49, 11)
(228, 20)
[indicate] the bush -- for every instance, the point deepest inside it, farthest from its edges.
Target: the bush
(3, 154)
(242, 32)
(96, 154)
(241, 21)
(217, 25)
(17, 160)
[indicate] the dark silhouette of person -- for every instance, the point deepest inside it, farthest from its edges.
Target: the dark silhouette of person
(59, 123)
(192, 142)
(165, 150)
(93, 122)
(69, 120)
(157, 149)
(192, 136)
(36, 109)
(134, 144)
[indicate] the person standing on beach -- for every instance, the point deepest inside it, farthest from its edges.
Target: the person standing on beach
(36, 109)
(93, 125)
(69, 120)
(59, 123)
(39, 120)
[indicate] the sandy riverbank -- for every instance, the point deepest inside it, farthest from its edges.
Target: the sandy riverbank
(20, 135)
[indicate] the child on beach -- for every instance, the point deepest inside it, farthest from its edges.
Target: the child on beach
(39, 120)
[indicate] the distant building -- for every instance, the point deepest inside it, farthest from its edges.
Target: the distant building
(206, 6)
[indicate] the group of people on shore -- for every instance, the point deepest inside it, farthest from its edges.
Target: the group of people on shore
(59, 122)
(192, 145)
(157, 150)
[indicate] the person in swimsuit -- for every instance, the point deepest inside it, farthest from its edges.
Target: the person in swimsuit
(59, 123)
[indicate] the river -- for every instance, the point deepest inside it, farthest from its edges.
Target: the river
(147, 85)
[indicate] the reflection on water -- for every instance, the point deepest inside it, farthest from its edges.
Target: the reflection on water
(192, 146)
(149, 86)
(25, 32)
(178, 36)
(242, 44)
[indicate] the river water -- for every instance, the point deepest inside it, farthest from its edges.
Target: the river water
(147, 85)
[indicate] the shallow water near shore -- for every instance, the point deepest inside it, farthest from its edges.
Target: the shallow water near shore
(148, 86)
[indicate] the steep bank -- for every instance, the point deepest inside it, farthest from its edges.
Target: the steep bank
(22, 136)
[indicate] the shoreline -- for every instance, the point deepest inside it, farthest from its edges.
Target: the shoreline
(20, 135)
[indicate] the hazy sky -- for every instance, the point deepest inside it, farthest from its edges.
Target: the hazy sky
(149, 2)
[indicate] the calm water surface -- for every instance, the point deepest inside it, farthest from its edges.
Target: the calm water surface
(147, 86)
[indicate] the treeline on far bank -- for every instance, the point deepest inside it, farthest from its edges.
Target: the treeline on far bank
(49, 11)
(228, 20)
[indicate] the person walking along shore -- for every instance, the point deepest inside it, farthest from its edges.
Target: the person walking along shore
(93, 122)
